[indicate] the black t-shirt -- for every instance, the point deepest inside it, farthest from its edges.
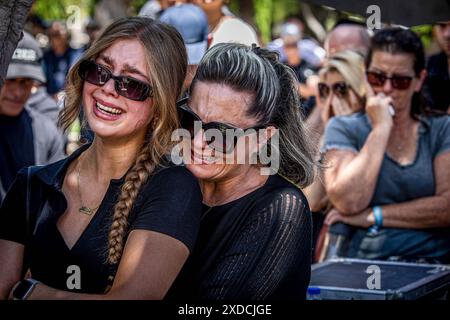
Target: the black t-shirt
(16, 147)
(437, 82)
(169, 203)
(257, 247)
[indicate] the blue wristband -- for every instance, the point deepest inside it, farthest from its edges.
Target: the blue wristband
(378, 215)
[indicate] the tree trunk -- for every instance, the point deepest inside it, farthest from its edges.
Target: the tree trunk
(312, 22)
(12, 19)
(246, 11)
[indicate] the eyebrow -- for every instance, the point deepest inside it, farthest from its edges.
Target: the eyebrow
(126, 67)
(392, 74)
(188, 103)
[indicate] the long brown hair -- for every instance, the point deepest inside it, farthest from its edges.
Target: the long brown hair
(167, 63)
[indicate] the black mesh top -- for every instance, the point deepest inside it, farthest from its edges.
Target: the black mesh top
(257, 247)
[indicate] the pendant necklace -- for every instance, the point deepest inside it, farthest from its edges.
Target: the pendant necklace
(83, 209)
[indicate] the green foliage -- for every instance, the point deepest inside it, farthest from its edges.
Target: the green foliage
(136, 5)
(56, 9)
(263, 17)
(425, 33)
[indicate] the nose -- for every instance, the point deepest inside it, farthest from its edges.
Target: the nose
(18, 90)
(109, 88)
(447, 32)
(387, 86)
(199, 142)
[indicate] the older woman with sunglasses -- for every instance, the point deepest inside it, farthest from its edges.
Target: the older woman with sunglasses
(389, 174)
(255, 233)
(114, 220)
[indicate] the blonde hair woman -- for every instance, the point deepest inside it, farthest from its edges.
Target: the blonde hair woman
(341, 92)
(341, 89)
(113, 220)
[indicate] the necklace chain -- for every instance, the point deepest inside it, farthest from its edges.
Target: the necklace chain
(83, 209)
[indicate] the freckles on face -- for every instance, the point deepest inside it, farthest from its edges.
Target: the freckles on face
(108, 113)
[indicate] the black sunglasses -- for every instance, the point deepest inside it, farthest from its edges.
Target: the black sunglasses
(340, 89)
(377, 79)
(127, 87)
(187, 119)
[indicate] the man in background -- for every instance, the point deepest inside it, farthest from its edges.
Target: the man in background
(27, 137)
(348, 35)
(192, 23)
(437, 84)
(58, 58)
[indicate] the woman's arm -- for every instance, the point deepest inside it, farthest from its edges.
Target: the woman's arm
(351, 177)
(11, 260)
(422, 213)
(316, 195)
(149, 265)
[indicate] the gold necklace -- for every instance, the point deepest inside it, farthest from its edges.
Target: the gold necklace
(83, 209)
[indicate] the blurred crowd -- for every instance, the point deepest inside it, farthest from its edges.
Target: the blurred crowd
(388, 163)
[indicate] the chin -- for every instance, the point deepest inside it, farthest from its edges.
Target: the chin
(12, 111)
(205, 171)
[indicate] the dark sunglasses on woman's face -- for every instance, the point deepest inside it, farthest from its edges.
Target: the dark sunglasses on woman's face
(188, 117)
(340, 89)
(127, 87)
(378, 79)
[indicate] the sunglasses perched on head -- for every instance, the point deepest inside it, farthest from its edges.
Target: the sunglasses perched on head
(229, 139)
(127, 87)
(378, 79)
(340, 89)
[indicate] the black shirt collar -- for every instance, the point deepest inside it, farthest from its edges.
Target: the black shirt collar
(53, 174)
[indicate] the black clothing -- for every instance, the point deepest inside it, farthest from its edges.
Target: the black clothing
(16, 146)
(437, 83)
(303, 71)
(254, 248)
(169, 202)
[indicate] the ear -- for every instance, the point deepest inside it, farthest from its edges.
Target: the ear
(421, 78)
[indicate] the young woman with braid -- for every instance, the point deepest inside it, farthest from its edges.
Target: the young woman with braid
(114, 220)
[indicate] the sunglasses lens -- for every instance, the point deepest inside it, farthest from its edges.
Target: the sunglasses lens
(376, 79)
(132, 89)
(401, 83)
(341, 89)
(125, 86)
(398, 82)
(186, 120)
(93, 73)
(324, 90)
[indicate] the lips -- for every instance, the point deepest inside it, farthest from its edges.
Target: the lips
(201, 159)
(107, 111)
(15, 102)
